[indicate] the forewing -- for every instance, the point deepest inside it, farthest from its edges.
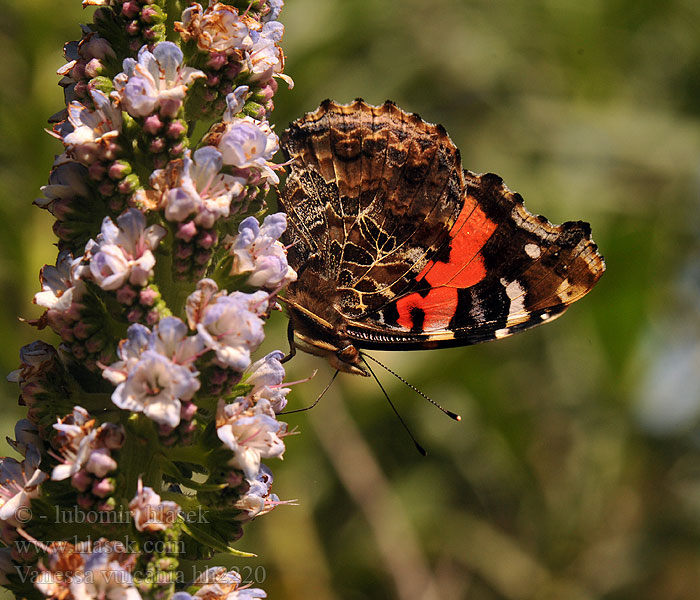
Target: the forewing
(372, 195)
(501, 270)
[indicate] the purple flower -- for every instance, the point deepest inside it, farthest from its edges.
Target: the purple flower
(66, 181)
(219, 28)
(88, 133)
(122, 252)
(19, 483)
(266, 376)
(248, 143)
(257, 251)
(230, 325)
(202, 189)
(61, 285)
(235, 102)
(155, 372)
(157, 80)
(251, 437)
(149, 513)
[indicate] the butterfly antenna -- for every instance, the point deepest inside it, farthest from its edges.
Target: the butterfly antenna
(449, 413)
(296, 410)
(396, 412)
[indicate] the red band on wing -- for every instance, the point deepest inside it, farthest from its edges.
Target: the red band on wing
(464, 268)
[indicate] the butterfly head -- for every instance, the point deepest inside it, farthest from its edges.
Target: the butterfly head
(315, 335)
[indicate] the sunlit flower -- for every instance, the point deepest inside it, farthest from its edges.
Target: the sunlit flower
(122, 252)
(249, 143)
(219, 584)
(157, 80)
(219, 28)
(266, 58)
(60, 284)
(19, 483)
(149, 513)
(202, 190)
(87, 133)
(249, 437)
(155, 372)
(257, 251)
(230, 325)
(266, 376)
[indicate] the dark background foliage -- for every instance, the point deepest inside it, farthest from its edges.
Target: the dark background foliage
(575, 472)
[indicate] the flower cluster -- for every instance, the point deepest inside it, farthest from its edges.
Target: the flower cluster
(166, 274)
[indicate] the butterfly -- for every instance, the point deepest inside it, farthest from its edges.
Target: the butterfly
(397, 247)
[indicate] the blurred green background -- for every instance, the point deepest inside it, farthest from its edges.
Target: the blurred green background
(575, 472)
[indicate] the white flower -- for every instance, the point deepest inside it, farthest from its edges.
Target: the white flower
(258, 500)
(154, 373)
(87, 130)
(88, 571)
(60, 284)
(275, 7)
(157, 80)
(248, 143)
(219, 28)
(66, 181)
(202, 189)
(235, 102)
(103, 578)
(231, 326)
(257, 251)
(122, 252)
(251, 438)
(266, 58)
(75, 442)
(27, 435)
(266, 376)
(149, 513)
(219, 584)
(19, 483)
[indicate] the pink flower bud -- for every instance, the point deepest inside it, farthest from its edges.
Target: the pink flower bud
(103, 488)
(157, 145)
(216, 60)
(100, 462)
(133, 28)
(170, 107)
(95, 343)
(81, 480)
(184, 251)
(94, 68)
(126, 295)
(106, 188)
(207, 239)
(147, 296)
(134, 315)
(186, 231)
(187, 411)
(175, 130)
(119, 169)
(107, 505)
(152, 124)
(130, 9)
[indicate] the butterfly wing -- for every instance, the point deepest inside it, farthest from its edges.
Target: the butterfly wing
(398, 247)
(372, 194)
(502, 270)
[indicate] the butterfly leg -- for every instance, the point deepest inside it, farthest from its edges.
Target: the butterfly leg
(292, 345)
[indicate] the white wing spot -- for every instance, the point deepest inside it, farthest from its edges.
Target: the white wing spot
(533, 251)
